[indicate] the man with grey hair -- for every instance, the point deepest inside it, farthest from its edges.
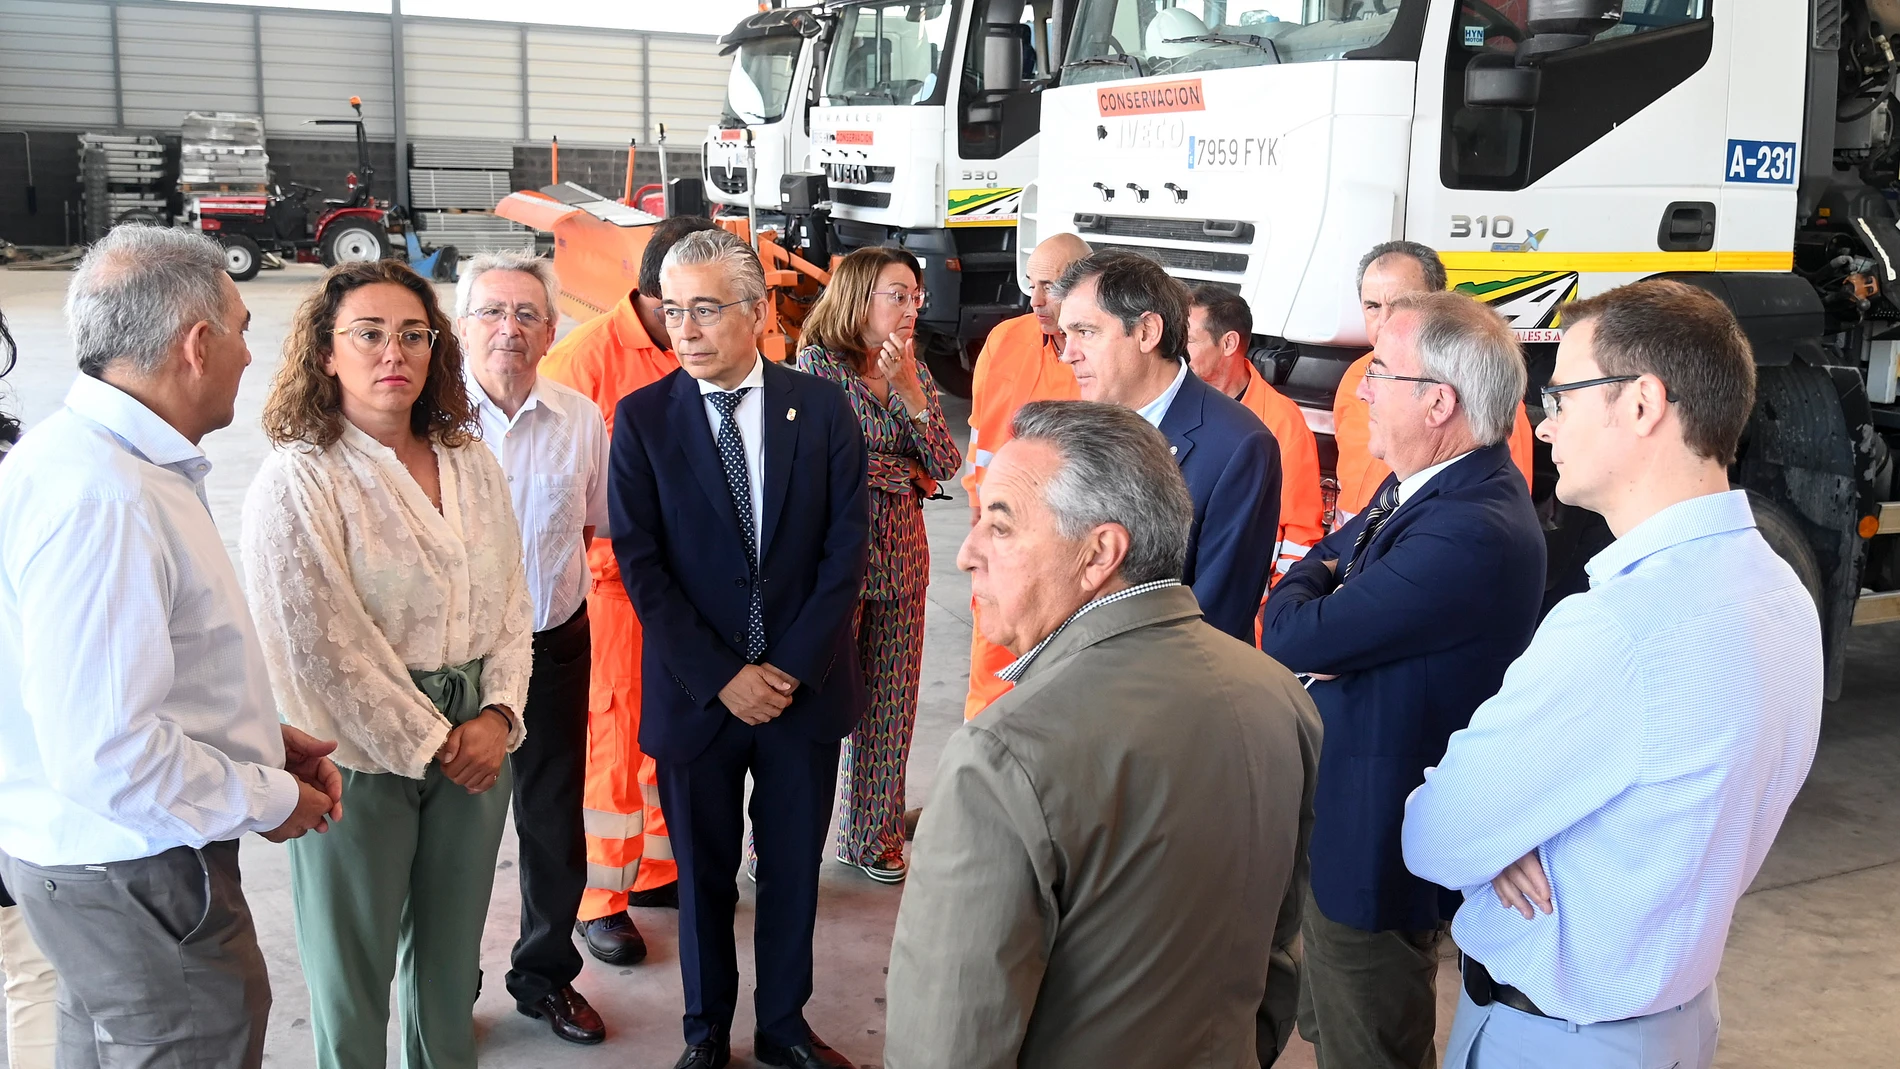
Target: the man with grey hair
(741, 519)
(138, 737)
(1067, 904)
(1405, 619)
(552, 442)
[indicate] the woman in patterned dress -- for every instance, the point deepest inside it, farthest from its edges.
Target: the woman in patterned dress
(859, 336)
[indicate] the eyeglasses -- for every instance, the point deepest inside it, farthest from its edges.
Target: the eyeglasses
(903, 298)
(371, 341)
(1404, 378)
(493, 314)
(1553, 395)
(703, 314)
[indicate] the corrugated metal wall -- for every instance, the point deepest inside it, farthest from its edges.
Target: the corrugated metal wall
(463, 80)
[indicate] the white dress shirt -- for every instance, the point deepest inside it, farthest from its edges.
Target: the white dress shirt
(750, 415)
(1418, 480)
(1647, 745)
(356, 580)
(554, 452)
(135, 712)
(1157, 410)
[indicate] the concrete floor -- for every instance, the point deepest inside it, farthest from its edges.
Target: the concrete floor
(1812, 975)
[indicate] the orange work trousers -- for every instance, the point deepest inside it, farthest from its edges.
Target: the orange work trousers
(986, 659)
(627, 845)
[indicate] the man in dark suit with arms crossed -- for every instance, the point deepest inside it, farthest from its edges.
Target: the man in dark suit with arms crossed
(740, 516)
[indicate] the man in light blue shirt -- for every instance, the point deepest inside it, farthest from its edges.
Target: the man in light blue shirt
(1603, 813)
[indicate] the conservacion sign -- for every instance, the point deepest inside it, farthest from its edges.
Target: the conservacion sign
(1184, 95)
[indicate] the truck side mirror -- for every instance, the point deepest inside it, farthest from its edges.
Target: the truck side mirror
(1002, 46)
(1560, 25)
(1496, 81)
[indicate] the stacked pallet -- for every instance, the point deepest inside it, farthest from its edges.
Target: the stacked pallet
(122, 178)
(223, 152)
(453, 189)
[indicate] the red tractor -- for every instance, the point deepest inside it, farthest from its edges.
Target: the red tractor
(249, 225)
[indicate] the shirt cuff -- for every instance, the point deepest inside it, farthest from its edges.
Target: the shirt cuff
(274, 800)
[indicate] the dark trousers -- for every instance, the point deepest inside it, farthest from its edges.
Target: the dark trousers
(1368, 1000)
(550, 771)
(704, 803)
(157, 959)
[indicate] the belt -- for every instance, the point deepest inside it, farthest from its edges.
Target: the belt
(1484, 990)
(573, 623)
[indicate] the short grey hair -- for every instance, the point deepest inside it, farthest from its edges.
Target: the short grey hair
(1426, 257)
(720, 247)
(137, 290)
(1469, 347)
(513, 260)
(1116, 468)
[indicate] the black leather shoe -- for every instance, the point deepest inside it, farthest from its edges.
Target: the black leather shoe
(707, 1055)
(814, 1053)
(613, 939)
(568, 1014)
(665, 896)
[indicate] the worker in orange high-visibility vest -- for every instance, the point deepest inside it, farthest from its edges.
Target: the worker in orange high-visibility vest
(628, 852)
(1220, 330)
(1017, 365)
(1391, 270)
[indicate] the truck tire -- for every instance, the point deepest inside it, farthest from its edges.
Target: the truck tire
(1785, 536)
(353, 241)
(242, 257)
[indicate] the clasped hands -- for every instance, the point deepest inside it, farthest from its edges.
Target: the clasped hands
(319, 786)
(758, 693)
(471, 756)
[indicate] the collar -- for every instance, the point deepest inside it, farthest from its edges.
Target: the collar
(1684, 521)
(1412, 484)
(1157, 409)
(633, 331)
(480, 395)
(1013, 671)
(754, 379)
(138, 427)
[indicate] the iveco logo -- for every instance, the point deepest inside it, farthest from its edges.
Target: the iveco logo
(850, 174)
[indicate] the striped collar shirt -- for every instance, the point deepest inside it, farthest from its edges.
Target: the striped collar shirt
(1647, 745)
(1014, 670)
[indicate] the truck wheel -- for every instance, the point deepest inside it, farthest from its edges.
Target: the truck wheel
(354, 241)
(242, 257)
(1784, 534)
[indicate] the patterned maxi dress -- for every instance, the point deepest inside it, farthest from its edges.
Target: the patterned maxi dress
(891, 614)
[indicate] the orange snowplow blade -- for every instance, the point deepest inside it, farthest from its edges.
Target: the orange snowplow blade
(597, 243)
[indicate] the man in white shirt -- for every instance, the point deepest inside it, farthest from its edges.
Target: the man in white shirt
(138, 738)
(552, 443)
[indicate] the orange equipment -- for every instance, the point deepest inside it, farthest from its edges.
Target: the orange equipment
(1360, 473)
(1017, 365)
(1301, 513)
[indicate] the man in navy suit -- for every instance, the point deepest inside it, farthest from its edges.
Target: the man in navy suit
(1124, 322)
(740, 517)
(1406, 619)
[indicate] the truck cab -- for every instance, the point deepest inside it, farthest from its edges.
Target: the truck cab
(1547, 151)
(764, 129)
(926, 132)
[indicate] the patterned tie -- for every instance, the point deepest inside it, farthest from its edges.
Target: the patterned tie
(1376, 514)
(739, 484)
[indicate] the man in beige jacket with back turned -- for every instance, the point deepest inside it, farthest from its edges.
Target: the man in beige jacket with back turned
(1067, 905)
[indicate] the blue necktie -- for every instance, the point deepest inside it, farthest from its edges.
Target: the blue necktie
(1382, 506)
(739, 484)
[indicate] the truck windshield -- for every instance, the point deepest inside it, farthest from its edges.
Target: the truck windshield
(888, 53)
(1117, 39)
(760, 86)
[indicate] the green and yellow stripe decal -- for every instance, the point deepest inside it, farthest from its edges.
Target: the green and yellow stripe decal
(1644, 263)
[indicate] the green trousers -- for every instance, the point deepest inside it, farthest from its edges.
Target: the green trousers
(403, 878)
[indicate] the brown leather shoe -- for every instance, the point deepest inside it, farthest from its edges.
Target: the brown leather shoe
(568, 1014)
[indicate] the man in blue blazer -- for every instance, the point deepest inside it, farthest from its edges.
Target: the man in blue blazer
(1125, 326)
(740, 517)
(1406, 619)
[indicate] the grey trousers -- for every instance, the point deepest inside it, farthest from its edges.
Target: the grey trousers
(1368, 1000)
(157, 959)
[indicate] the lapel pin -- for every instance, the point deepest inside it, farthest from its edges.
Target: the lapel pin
(1174, 450)
(791, 414)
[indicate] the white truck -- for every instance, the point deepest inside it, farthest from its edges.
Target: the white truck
(764, 130)
(926, 132)
(1548, 149)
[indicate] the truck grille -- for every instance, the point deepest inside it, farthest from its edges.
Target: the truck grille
(1184, 259)
(727, 183)
(1229, 231)
(861, 198)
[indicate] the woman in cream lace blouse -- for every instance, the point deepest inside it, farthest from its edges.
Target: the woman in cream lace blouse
(385, 576)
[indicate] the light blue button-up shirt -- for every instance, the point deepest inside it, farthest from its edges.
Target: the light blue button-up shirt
(1647, 745)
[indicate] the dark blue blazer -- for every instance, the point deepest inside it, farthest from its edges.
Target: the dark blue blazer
(1232, 466)
(676, 536)
(1444, 600)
